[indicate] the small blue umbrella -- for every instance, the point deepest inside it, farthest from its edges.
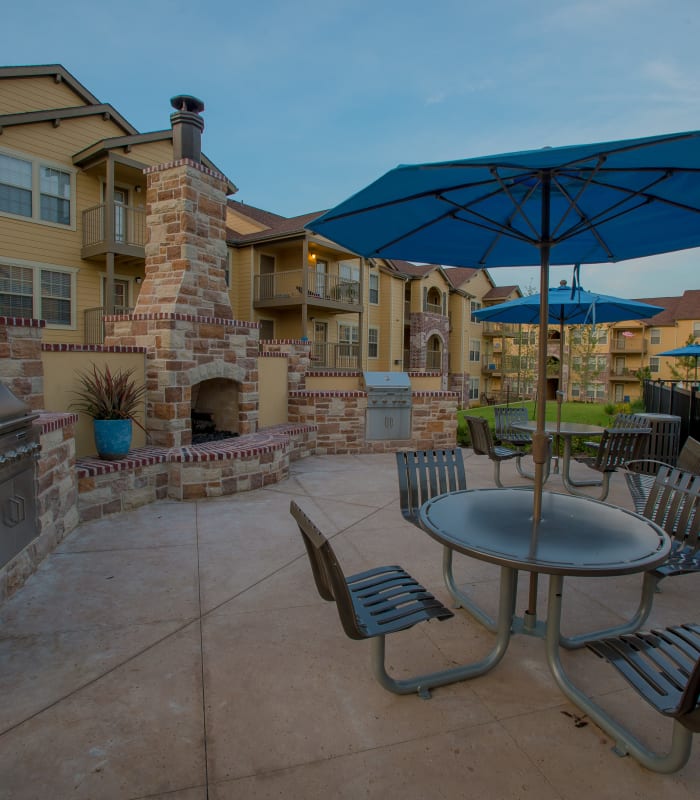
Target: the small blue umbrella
(568, 306)
(687, 351)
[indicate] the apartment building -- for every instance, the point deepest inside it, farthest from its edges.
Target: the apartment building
(72, 249)
(72, 203)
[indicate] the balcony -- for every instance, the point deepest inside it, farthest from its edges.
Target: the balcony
(623, 374)
(285, 289)
(491, 365)
(628, 344)
(129, 233)
(335, 355)
(94, 323)
(432, 308)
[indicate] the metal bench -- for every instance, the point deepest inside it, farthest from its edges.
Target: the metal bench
(423, 474)
(663, 667)
(673, 504)
(374, 604)
(640, 474)
(617, 447)
(484, 445)
(504, 417)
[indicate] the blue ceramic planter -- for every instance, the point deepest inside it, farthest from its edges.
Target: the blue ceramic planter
(112, 438)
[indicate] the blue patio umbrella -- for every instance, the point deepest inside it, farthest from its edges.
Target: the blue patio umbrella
(579, 204)
(568, 306)
(687, 351)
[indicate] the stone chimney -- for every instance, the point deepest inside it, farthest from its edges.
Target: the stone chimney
(187, 127)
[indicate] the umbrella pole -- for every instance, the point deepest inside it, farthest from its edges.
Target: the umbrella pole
(560, 393)
(540, 440)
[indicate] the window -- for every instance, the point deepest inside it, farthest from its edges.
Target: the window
(654, 364)
(349, 270)
(696, 330)
(575, 389)
(601, 335)
(475, 349)
(33, 291)
(373, 343)
(348, 334)
(655, 336)
(35, 190)
(474, 388)
(15, 186)
(475, 305)
(374, 288)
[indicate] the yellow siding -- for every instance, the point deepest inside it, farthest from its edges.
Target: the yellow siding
(60, 383)
(152, 153)
(62, 143)
(18, 95)
(272, 377)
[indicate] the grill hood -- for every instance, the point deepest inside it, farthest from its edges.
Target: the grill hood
(386, 380)
(11, 407)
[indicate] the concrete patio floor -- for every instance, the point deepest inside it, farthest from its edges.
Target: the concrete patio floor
(181, 651)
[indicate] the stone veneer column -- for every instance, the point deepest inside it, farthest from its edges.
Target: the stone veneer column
(21, 369)
(183, 315)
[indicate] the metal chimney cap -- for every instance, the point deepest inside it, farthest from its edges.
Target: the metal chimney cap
(186, 102)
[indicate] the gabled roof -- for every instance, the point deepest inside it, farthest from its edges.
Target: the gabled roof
(459, 275)
(59, 74)
(502, 292)
(411, 270)
(273, 225)
(685, 307)
(55, 115)
(101, 148)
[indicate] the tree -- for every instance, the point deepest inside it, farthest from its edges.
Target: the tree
(584, 359)
(684, 368)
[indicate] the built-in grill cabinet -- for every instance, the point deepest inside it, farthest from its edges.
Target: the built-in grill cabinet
(388, 405)
(19, 450)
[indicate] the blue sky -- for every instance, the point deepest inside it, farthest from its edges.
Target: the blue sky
(309, 101)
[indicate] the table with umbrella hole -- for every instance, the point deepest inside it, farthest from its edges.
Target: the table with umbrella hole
(578, 536)
(566, 431)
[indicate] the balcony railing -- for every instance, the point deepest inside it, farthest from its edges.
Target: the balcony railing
(285, 287)
(129, 226)
(335, 355)
(631, 344)
(94, 323)
(432, 308)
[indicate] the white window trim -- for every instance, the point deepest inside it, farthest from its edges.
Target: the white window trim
(369, 289)
(373, 328)
(37, 163)
(37, 266)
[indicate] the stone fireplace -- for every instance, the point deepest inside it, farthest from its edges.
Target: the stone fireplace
(198, 357)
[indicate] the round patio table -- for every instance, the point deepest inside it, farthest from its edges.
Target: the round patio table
(567, 431)
(576, 536)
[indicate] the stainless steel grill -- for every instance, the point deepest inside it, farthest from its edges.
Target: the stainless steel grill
(388, 405)
(19, 450)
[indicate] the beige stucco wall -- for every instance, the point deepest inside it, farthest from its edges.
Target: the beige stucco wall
(272, 387)
(61, 381)
(333, 383)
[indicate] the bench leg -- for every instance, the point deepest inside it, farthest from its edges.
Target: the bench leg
(422, 684)
(649, 589)
(461, 599)
(625, 742)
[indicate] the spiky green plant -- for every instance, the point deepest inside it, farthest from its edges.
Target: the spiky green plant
(104, 394)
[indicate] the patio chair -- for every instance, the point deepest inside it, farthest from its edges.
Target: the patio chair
(374, 604)
(483, 445)
(504, 417)
(617, 447)
(673, 504)
(663, 667)
(423, 474)
(641, 473)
